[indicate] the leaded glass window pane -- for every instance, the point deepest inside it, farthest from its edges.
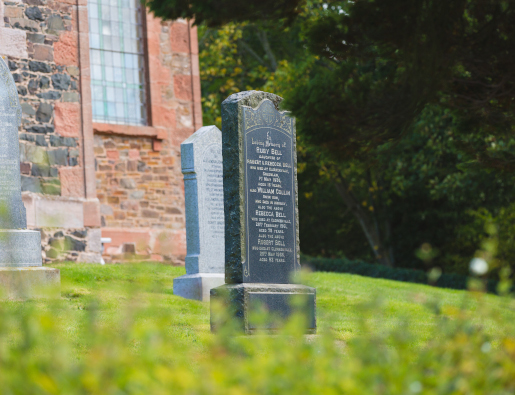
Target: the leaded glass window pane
(117, 61)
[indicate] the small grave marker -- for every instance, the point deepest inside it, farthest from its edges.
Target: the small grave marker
(201, 158)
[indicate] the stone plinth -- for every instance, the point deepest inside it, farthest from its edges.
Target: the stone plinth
(20, 248)
(245, 300)
(197, 286)
(29, 282)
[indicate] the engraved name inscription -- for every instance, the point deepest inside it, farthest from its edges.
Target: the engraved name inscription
(12, 212)
(9, 162)
(212, 187)
(270, 195)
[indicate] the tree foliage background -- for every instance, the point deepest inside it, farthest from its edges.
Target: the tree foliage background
(405, 116)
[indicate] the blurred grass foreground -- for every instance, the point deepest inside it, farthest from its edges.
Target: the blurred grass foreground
(118, 329)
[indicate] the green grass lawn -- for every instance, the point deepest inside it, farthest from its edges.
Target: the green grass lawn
(119, 329)
(116, 292)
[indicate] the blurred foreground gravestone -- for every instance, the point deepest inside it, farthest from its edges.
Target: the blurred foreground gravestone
(261, 217)
(201, 158)
(21, 271)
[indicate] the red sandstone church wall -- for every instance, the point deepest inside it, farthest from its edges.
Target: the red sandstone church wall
(139, 179)
(81, 178)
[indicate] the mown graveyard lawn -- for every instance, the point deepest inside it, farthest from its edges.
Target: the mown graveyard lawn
(119, 329)
(118, 291)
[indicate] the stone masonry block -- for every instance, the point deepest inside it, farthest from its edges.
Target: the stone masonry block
(66, 52)
(58, 157)
(35, 38)
(90, 257)
(28, 109)
(44, 82)
(30, 184)
(55, 24)
(94, 240)
(13, 43)
(61, 81)
(33, 86)
(92, 213)
(67, 119)
(59, 214)
(43, 52)
(39, 67)
(72, 181)
(13, 12)
(33, 154)
(51, 95)
(179, 37)
(29, 203)
(34, 13)
(182, 87)
(113, 154)
(44, 112)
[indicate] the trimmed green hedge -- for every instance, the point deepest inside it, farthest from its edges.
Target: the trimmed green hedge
(453, 281)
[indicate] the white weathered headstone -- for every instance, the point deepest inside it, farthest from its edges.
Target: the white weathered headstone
(201, 159)
(21, 271)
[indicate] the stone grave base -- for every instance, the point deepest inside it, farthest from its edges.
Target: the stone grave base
(197, 286)
(29, 282)
(20, 248)
(244, 302)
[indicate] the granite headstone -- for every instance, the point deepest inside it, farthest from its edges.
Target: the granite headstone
(201, 159)
(261, 212)
(19, 248)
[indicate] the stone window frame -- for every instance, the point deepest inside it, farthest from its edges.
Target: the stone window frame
(158, 127)
(151, 88)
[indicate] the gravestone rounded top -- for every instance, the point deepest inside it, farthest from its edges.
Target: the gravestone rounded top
(9, 102)
(196, 144)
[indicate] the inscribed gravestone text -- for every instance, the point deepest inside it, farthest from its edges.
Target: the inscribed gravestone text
(11, 206)
(270, 195)
(211, 180)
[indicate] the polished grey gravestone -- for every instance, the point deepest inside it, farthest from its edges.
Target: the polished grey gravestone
(201, 159)
(262, 252)
(21, 271)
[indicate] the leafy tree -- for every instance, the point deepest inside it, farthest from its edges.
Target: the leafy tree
(395, 56)
(384, 63)
(215, 13)
(250, 55)
(387, 60)
(424, 190)
(402, 107)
